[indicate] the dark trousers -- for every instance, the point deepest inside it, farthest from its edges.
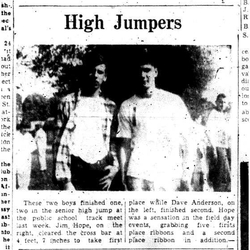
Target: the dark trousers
(222, 171)
(86, 176)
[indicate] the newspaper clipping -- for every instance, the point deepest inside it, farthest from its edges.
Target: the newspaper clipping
(124, 124)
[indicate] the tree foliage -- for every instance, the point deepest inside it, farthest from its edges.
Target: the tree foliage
(184, 70)
(62, 62)
(35, 108)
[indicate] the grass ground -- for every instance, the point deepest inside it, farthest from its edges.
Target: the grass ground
(39, 180)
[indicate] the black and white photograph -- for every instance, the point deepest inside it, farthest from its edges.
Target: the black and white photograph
(124, 118)
(124, 124)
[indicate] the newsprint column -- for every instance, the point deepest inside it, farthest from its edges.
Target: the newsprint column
(123, 124)
(6, 45)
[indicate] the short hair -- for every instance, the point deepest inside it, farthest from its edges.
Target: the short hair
(25, 124)
(220, 96)
(92, 59)
(147, 57)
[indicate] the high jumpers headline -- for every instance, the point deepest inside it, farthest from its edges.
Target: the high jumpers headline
(77, 21)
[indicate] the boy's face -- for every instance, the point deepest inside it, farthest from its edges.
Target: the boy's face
(98, 75)
(221, 104)
(148, 74)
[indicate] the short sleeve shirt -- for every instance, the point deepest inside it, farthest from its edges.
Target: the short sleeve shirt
(156, 127)
(218, 128)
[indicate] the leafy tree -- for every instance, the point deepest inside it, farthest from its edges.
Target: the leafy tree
(18, 102)
(184, 70)
(35, 108)
(63, 62)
